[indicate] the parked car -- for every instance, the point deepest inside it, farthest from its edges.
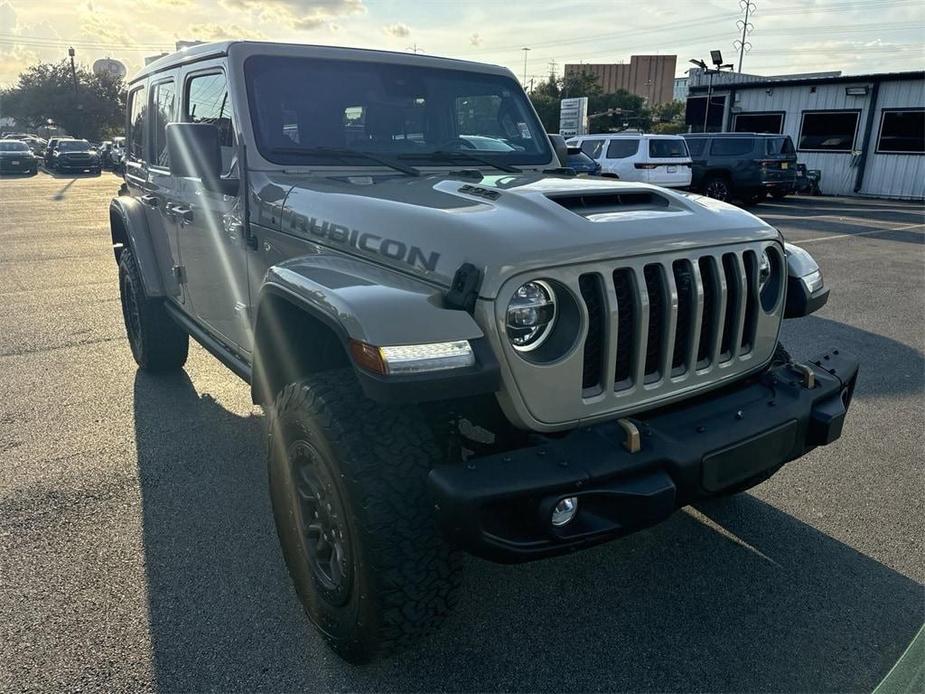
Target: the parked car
(742, 166)
(581, 163)
(36, 144)
(16, 157)
(518, 363)
(659, 159)
(74, 155)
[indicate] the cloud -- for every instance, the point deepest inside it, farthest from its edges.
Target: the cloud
(219, 32)
(398, 30)
(298, 14)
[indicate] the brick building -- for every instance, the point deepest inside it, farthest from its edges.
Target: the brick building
(648, 76)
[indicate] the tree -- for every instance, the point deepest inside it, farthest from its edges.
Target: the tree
(668, 118)
(46, 92)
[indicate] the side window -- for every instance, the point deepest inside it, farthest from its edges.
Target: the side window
(137, 108)
(592, 148)
(207, 101)
(165, 96)
(696, 146)
(902, 131)
(731, 146)
(621, 149)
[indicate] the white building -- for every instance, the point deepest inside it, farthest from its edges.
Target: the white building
(865, 133)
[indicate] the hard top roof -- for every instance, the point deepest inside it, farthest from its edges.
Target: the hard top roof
(216, 49)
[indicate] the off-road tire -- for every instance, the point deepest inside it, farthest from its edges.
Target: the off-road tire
(781, 357)
(399, 577)
(719, 188)
(157, 342)
(780, 194)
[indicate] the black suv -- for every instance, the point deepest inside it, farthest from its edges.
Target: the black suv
(744, 166)
(73, 155)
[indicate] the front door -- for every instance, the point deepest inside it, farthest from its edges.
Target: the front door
(211, 239)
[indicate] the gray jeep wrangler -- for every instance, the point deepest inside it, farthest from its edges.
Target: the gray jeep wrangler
(459, 344)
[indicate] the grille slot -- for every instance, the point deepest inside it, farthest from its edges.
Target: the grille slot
(751, 301)
(733, 299)
(593, 294)
(625, 289)
(655, 343)
(685, 284)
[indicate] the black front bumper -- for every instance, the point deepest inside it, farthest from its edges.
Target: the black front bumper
(499, 506)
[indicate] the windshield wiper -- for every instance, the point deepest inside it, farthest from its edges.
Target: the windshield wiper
(438, 155)
(344, 153)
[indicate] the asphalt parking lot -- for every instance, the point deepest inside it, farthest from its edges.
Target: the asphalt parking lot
(137, 547)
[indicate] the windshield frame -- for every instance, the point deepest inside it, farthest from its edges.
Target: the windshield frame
(540, 159)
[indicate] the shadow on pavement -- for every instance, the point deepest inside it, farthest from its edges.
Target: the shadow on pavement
(888, 367)
(738, 596)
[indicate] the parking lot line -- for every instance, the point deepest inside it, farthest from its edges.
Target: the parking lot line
(859, 233)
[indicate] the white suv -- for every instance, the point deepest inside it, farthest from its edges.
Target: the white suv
(660, 159)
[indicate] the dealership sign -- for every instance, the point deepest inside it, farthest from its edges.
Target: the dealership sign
(573, 117)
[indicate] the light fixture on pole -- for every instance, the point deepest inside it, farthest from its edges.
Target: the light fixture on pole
(717, 58)
(525, 50)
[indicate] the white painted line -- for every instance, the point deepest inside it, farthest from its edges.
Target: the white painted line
(860, 233)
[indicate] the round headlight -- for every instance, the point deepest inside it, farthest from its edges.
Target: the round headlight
(531, 315)
(764, 270)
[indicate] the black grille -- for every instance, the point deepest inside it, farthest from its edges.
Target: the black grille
(592, 293)
(751, 301)
(710, 307)
(731, 273)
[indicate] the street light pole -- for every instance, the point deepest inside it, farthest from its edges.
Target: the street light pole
(706, 111)
(525, 65)
(70, 52)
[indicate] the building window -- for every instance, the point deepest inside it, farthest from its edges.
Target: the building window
(902, 131)
(137, 106)
(828, 131)
(758, 123)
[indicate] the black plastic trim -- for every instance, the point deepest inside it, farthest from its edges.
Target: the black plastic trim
(216, 347)
(800, 302)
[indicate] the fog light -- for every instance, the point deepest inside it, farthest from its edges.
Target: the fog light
(565, 511)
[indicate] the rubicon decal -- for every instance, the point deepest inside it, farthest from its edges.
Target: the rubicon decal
(366, 242)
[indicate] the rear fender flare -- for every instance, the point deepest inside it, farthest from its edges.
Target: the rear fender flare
(129, 228)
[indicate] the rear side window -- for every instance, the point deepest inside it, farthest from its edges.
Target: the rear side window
(621, 149)
(732, 146)
(668, 149)
(138, 107)
(778, 145)
(696, 146)
(165, 97)
(207, 101)
(592, 148)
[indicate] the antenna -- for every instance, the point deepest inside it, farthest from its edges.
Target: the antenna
(743, 45)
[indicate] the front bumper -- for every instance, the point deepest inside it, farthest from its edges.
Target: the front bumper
(499, 506)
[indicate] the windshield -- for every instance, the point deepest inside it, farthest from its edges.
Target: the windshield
(13, 147)
(404, 112)
(779, 145)
(673, 148)
(73, 146)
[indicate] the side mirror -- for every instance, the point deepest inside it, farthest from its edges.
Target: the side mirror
(561, 149)
(195, 152)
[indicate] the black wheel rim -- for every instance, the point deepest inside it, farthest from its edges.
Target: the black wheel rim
(131, 312)
(322, 523)
(718, 190)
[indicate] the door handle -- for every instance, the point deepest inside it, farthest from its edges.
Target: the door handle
(185, 214)
(150, 200)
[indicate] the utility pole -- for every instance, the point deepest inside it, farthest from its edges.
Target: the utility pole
(414, 48)
(743, 45)
(70, 52)
(552, 64)
(525, 50)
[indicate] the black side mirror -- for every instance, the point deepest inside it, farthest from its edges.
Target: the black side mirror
(560, 148)
(195, 152)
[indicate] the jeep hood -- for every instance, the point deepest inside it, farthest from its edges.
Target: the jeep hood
(505, 225)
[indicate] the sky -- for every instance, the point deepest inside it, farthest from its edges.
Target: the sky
(788, 36)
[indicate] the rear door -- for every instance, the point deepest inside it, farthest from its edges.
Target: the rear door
(667, 161)
(779, 162)
(138, 180)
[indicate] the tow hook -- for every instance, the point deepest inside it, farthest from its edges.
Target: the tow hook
(807, 375)
(632, 443)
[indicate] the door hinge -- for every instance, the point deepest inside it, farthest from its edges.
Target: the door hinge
(179, 274)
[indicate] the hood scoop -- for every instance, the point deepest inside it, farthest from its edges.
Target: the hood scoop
(610, 202)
